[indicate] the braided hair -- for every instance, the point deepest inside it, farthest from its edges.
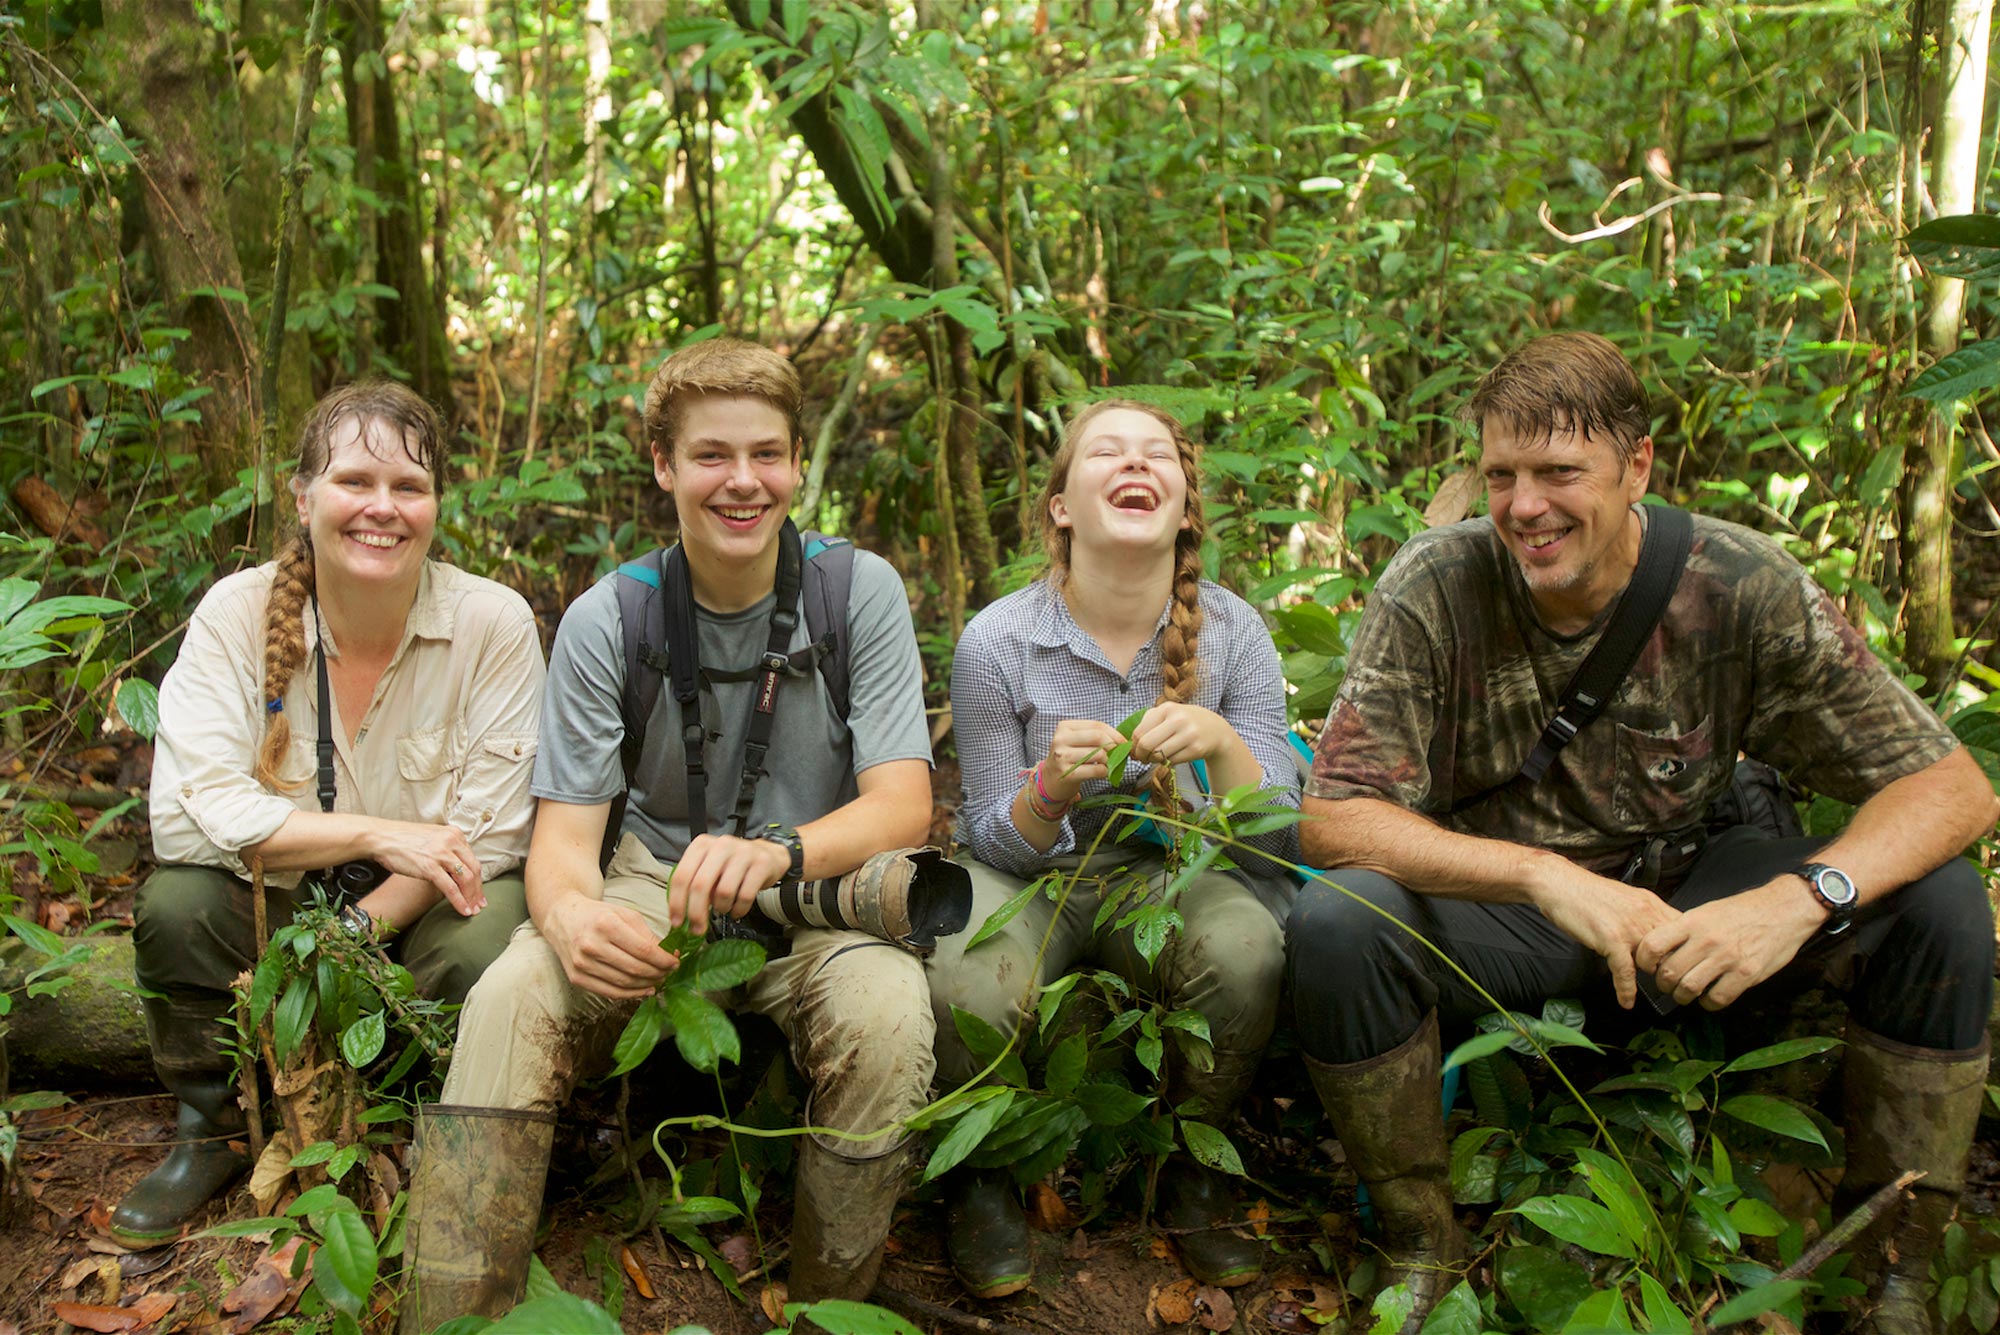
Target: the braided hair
(1179, 664)
(417, 425)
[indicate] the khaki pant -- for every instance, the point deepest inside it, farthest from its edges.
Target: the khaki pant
(1226, 962)
(854, 1008)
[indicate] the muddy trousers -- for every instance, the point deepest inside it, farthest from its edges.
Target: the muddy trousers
(1916, 966)
(853, 1007)
(1226, 962)
(194, 931)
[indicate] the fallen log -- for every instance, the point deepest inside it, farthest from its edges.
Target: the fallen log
(90, 1035)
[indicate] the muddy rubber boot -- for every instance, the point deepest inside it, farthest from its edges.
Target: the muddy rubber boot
(986, 1232)
(200, 1167)
(841, 1217)
(475, 1198)
(185, 1030)
(1385, 1110)
(1194, 1196)
(1907, 1109)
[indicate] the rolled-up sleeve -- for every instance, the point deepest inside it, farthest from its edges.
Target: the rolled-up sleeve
(1253, 703)
(502, 726)
(205, 806)
(992, 752)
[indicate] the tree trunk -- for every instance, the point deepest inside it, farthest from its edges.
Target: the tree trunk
(1926, 546)
(268, 98)
(172, 95)
(407, 329)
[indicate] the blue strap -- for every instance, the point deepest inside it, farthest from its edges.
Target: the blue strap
(642, 572)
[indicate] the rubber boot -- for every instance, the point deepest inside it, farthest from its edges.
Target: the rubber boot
(475, 1198)
(986, 1232)
(1194, 1196)
(1907, 1109)
(1385, 1110)
(185, 1030)
(841, 1217)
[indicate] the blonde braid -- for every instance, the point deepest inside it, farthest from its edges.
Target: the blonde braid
(284, 653)
(1180, 663)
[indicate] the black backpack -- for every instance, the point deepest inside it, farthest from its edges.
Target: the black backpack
(826, 585)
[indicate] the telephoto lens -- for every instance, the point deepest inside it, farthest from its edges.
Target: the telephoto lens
(907, 896)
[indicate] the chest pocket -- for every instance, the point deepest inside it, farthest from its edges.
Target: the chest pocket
(1661, 780)
(429, 763)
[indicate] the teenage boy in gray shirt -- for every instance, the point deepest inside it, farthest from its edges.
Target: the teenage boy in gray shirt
(723, 421)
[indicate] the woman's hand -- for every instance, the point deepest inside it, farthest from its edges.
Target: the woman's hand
(1176, 734)
(1079, 751)
(437, 854)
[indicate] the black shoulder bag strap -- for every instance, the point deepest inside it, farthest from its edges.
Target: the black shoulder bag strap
(685, 675)
(327, 791)
(1663, 554)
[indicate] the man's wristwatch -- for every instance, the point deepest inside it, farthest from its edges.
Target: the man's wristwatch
(785, 837)
(358, 921)
(1834, 889)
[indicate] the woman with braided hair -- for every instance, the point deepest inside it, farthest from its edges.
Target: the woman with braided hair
(1123, 619)
(414, 823)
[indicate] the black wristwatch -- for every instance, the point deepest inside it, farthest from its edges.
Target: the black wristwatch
(785, 837)
(1834, 889)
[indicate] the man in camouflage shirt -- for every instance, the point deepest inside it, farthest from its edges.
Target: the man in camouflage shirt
(1606, 866)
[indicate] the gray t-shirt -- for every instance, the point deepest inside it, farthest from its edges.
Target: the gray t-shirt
(814, 756)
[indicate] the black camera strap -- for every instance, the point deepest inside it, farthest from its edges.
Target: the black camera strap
(1663, 554)
(327, 791)
(687, 676)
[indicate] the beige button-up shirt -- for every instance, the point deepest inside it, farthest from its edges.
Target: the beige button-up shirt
(448, 738)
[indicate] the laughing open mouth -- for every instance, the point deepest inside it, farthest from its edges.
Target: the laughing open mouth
(1134, 498)
(1542, 538)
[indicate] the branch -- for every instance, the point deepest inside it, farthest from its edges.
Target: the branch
(829, 425)
(296, 171)
(1623, 224)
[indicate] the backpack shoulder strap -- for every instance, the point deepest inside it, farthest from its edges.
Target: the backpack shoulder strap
(1663, 555)
(829, 587)
(642, 626)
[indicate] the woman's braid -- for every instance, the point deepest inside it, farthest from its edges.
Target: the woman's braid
(284, 652)
(1180, 664)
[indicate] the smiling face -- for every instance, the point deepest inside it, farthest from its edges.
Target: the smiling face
(732, 469)
(1563, 507)
(1126, 488)
(371, 511)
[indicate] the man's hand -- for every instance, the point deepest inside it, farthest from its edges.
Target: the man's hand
(720, 873)
(1607, 916)
(1720, 950)
(606, 948)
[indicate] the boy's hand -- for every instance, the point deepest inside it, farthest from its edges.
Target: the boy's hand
(720, 873)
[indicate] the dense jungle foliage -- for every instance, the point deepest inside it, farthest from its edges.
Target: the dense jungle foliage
(1303, 228)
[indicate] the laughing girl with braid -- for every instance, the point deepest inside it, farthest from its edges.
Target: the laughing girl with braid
(429, 682)
(1122, 620)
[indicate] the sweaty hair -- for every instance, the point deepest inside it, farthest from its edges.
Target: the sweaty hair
(728, 366)
(1179, 666)
(416, 423)
(1565, 382)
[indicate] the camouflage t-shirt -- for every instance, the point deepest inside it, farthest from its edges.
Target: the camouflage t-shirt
(1452, 677)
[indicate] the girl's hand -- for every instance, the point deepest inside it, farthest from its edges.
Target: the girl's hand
(1079, 751)
(1175, 734)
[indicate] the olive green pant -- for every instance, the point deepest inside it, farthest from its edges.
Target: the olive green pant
(1226, 962)
(194, 931)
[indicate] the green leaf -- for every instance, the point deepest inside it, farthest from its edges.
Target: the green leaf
(695, 1211)
(1544, 1284)
(1621, 1195)
(1663, 1315)
(1003, 915)
(556, 1314)
(316, 1153)
(1959, 375)
(1884, 471)
(1457, 1313)
(1110, 1105)
(1774, 1114)
(344, 1266)
(1755, 1219)
(320, 1199)
(295, 1012)
(641, 1035)
(839, 1316)
(1778, 1054)
(1067, 1064)
(1479, 1045)
(1212, 1147)
(1313, 628)
(1132, 722)
(702, 1030)
(1585, 1223)
(362, 1041)
(1755, 1302)
(1965, 245)
(139, 706)
(721, 965)
(965, 1135)
(1121, 755)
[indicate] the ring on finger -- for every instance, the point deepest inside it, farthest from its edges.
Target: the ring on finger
(457, 870)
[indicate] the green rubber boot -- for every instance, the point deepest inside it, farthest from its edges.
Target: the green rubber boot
(1195, 1197)
(200, 1167)
(475, 1198)
(1907, 1108)
(1386, 1112)
(986, 1232)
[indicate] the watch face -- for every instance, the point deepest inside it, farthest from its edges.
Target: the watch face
(1834, 885)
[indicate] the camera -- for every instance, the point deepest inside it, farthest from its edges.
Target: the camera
(907, 896)
(348, 881)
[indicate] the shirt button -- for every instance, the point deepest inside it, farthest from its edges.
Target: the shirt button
(486, 814)
(1125, 688)
(187, 790)
(517, 748)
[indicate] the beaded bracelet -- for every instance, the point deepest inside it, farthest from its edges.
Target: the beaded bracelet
(1041, 805)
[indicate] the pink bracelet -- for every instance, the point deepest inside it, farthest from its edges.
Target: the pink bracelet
(1045, 809)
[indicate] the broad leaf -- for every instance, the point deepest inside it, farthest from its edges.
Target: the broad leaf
(139, 706)
(703, 1031)
(721, 965)
(1212, 1147)
(1003, 915)
(838, 1316)
(1584, 1223)
(1110, 1105)
(1959, 375)
(1966, 245)
(1776, 1115)
(1780, 1053)
(556, 1314)
(641, 1035)
(344, 1266)
(1755, 1302)
(965, 1135)
(362, 1041)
